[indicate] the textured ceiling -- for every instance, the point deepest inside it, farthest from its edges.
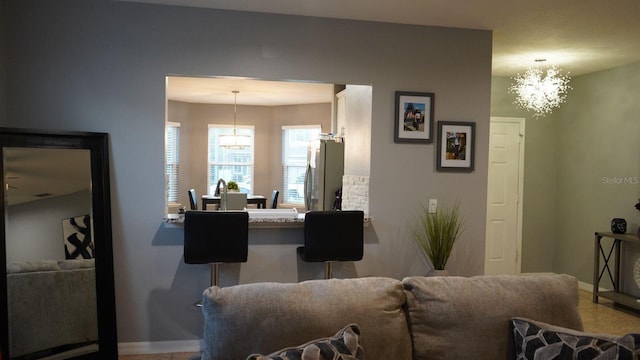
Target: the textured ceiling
(250, 92)
(37, 173)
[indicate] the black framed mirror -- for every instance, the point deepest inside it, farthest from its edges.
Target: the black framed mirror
(57, 296)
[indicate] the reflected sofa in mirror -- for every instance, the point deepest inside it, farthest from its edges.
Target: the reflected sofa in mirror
(57, 291)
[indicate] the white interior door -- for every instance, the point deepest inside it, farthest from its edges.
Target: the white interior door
(504, 208)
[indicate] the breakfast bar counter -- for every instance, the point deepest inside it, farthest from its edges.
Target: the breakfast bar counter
(265, 219)
(274, 236)
(261, 218)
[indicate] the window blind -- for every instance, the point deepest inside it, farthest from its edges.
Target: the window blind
(172, 160)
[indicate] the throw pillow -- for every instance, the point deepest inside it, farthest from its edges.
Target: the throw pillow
(344, 345)
(536, 340)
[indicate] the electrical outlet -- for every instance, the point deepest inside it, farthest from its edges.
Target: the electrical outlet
(433, 205)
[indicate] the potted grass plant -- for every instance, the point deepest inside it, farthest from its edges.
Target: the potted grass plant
(437, 232)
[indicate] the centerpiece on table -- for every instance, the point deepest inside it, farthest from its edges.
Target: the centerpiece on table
(233, 186)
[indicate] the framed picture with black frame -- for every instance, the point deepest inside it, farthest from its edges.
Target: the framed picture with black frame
(413, 119)
(78, 243)
(456, 146)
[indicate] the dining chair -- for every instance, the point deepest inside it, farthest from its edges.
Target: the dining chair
(274, 199)
(193, 202)
(216, 237)
(332, 236)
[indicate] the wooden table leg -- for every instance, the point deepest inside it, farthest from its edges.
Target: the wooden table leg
(596, 268)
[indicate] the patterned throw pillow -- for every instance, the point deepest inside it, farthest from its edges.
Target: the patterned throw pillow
(344, 345)
(536, 340)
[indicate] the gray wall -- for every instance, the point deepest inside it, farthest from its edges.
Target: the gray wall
(581, 170)
(34, 228)
(101, 66)
(598, 165)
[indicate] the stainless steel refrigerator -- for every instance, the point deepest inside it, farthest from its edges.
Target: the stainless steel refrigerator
(323, 178)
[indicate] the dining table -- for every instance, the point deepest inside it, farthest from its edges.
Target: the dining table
(259, 200)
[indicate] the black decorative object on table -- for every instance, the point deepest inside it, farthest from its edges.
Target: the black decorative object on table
(637, 206)
(618, 226)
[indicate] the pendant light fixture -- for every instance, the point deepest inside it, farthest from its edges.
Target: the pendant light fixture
(539, 92)
(235, 141)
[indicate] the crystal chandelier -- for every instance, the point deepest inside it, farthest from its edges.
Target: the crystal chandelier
(540, 93)
(235, 141)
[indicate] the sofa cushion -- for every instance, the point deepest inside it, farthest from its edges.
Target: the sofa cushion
(344, 345)
(32, 266)
(77, 264)
(49, 309)
(538, 340)
(452, 317)
(264, 317)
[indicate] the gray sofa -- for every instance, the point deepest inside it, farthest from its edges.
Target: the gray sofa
(51, 306)
(416, 318)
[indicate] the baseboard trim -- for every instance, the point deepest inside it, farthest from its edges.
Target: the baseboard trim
(156, 347)
(584, 286)
(581, 284)
(589, 287)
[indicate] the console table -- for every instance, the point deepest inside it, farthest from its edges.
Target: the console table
(616, 295)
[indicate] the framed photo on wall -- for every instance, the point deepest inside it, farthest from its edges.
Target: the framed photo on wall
(456, 143)
(78, 243)
(413, 120)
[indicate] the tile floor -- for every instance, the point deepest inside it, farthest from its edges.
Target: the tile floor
(597, 318)
(604, 318)
(167, 356)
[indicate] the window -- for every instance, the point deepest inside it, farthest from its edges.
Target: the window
(294, 160)
(172, 160)
(230, 164)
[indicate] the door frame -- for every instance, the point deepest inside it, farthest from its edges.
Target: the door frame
(520, 195)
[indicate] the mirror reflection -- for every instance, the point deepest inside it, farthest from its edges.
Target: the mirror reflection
(51, 287)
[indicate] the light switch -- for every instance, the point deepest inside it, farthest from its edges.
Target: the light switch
(433, 205)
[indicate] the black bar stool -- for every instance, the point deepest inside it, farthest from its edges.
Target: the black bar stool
(215, 237)
(332, 236)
